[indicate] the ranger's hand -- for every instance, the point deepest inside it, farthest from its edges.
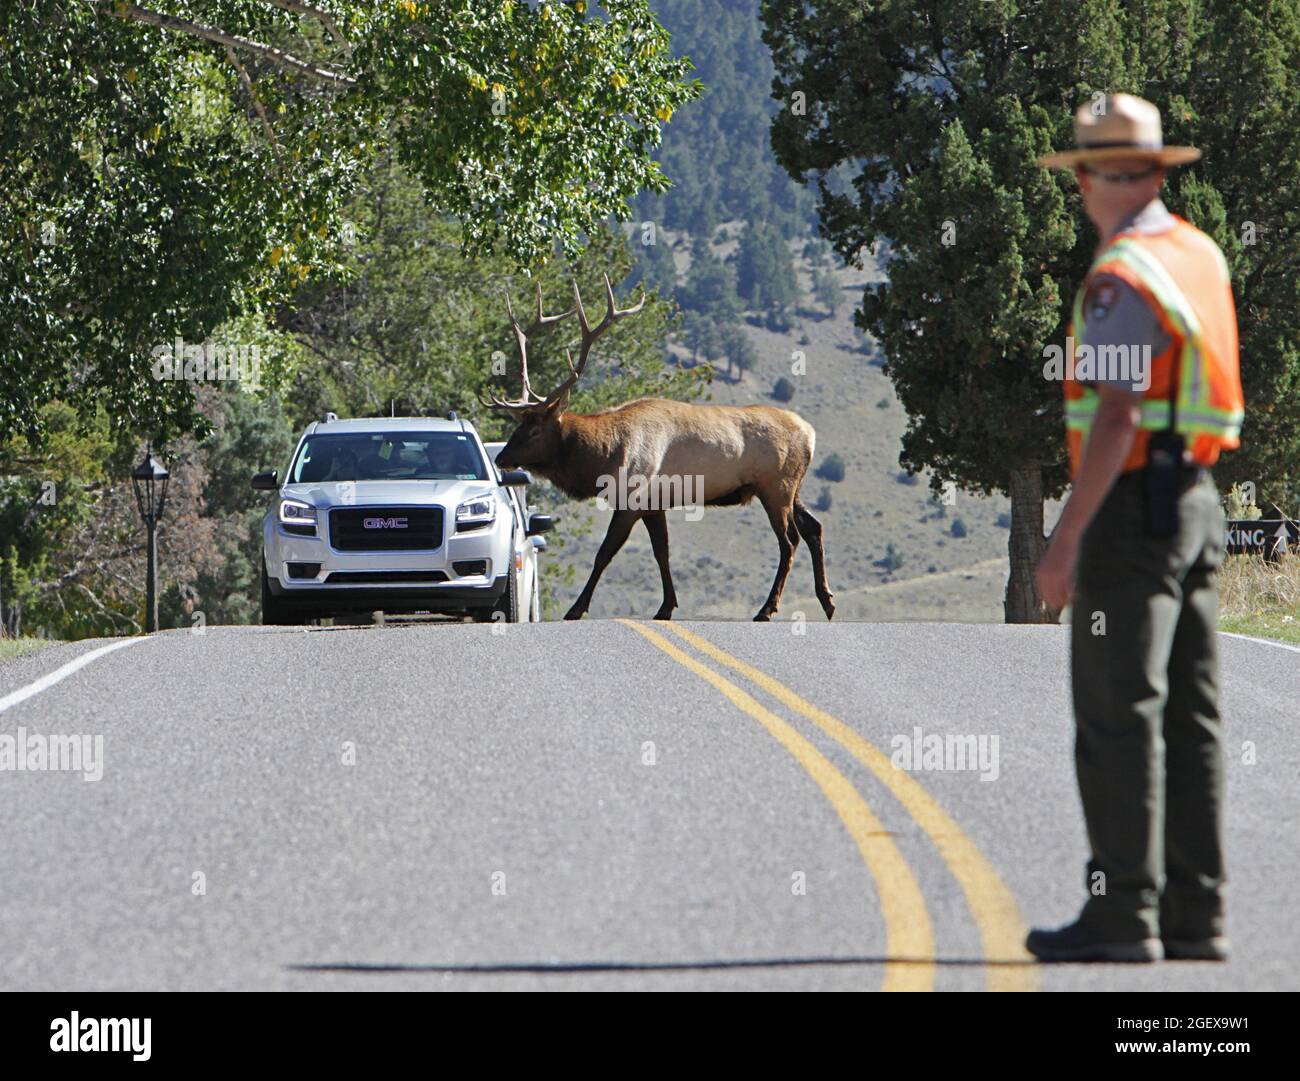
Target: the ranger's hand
(1055, 572)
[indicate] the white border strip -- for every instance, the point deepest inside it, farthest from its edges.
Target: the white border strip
(1249, 638)
(60, 674)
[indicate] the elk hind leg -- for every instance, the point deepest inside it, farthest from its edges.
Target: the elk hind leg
(811, 530)
(620, 525)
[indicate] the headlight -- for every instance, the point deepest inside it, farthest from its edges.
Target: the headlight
(478, 511)
(293, 512)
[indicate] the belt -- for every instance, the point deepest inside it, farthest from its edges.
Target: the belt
(1191, 474)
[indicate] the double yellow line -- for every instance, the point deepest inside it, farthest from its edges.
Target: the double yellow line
(909, 937)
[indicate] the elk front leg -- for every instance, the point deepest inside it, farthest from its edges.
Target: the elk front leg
(619, 527)
(657, 526)
(779, 514)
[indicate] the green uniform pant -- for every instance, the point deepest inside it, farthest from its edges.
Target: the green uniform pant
(1148, 748)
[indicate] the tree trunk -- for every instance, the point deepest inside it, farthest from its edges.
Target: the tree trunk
(1025, 548)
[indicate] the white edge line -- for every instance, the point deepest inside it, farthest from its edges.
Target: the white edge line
(1251, 638)
(60, 674)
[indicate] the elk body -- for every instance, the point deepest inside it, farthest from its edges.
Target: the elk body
(738, 453)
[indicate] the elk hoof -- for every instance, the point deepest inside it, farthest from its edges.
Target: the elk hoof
(575, 613)
(828, 605)
(763, 617)
(665, 613)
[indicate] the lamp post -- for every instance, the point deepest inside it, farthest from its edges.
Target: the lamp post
(150, 480)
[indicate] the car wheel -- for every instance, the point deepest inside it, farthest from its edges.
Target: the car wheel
(508, 605)
(275, 613)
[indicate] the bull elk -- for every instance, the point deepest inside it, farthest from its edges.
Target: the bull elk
(736, 452)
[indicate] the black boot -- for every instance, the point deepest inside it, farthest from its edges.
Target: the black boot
(1078, 942)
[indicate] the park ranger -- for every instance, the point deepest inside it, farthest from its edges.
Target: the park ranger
(1152, 394)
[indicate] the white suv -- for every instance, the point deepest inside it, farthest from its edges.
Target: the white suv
(397, 515)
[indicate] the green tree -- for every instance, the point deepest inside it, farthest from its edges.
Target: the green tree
(718, 151)
(654, 266)
(941, 114)
(413, 324)
(165, 172)
(828, 291)
(710, 286)
(739, 350)
(765, 270)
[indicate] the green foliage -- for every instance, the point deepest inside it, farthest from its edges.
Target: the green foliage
(891, 560)
(783, 390)
(710, 286)
(50, 496)
(717, 152)
(418, 327)
(958, 527)
(251, 434)
(158, 184)
(764, 269)
(828, 291)
(654, 267)
(702, 337)
(940, 116)
(1237, 506)
(738, 349)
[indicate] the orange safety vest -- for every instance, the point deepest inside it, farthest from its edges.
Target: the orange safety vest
(1183, 277)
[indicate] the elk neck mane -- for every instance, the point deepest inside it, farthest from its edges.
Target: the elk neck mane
(590, 446)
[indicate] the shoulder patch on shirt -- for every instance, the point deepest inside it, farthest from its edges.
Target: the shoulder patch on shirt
(1100, 300)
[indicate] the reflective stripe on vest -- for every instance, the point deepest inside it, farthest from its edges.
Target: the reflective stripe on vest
(1196, 413)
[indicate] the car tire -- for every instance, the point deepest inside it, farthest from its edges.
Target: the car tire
(535, 605)
(275, 613)
(508, 605)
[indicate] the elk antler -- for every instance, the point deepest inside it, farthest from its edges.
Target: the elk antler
(589, 336)
(541, 322)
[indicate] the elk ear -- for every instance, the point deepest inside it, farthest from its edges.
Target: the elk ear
(560, 405)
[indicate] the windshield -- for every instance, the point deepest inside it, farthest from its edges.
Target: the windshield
(388, 456)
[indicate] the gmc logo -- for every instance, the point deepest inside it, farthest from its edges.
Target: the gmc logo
(384, 523)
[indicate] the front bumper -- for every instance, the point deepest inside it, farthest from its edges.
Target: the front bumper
(441, 598)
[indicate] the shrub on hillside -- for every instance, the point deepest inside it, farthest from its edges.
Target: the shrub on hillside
(832, 468)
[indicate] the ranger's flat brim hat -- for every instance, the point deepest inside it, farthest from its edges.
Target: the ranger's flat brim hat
(1119, 126)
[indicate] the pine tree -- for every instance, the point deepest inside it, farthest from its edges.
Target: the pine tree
(765, 269)
(941, 116)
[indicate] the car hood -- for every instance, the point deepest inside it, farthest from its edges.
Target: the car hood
(409, 493)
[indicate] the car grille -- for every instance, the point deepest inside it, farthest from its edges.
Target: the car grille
(384, 577)
(386, 529)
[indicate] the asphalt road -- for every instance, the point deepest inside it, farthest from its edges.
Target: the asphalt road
(600, 805)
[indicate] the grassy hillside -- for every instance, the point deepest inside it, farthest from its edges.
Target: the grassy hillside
(723, 564)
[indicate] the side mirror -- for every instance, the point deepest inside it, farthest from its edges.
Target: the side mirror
(267, 482)
(515, 478)
(539, 543)
(540, 523)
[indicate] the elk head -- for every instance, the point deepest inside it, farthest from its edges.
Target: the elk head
(536, 441)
